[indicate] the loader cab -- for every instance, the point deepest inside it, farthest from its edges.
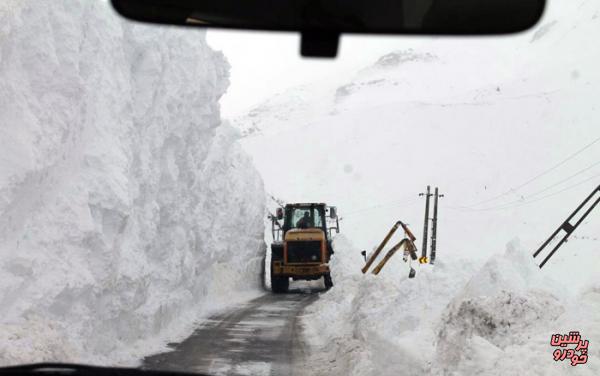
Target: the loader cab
(304, 216)
(318, 215)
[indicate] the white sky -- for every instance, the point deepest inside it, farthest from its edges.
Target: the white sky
(266, 63)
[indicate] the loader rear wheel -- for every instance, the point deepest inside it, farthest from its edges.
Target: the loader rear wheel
(328, 281)
(280, 285)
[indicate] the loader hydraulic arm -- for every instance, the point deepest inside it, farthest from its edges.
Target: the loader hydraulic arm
(408, 245)
(374, 255)
(407, 242)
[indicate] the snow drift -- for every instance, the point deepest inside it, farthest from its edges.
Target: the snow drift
(126, 207)
(454, 318)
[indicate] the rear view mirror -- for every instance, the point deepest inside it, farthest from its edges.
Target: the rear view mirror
(332, 212)
(322, 21)
(279, 213)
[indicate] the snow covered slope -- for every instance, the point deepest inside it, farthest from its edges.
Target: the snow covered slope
(126, 207)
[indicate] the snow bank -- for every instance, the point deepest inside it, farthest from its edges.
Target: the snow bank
(453, 318)
(126, 208)
(380, 324)
(502, 321)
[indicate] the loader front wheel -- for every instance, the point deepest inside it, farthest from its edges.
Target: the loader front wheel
(280, 285)
(328, 281)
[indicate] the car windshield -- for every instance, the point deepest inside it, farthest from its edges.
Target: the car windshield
(147, 171)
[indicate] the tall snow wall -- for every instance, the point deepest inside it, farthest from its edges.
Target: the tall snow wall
(126, 207)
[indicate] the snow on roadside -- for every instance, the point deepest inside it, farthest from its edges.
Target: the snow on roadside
(502, 321)
(454, 318)
(380, 324)
(126, 208)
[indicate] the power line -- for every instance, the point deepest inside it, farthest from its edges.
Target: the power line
(566, 179)
(512, 190)
(545, 189)
(559, 192)
(402, 203)
(525, 201)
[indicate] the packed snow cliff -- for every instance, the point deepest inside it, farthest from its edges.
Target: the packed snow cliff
(126, 207)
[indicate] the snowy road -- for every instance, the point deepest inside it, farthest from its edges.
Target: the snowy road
(261, 337)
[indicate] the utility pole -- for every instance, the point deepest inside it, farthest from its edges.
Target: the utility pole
(423, 258)
(436, 195)
(567, 227)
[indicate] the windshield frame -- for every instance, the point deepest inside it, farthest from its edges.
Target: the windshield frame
(315, 209)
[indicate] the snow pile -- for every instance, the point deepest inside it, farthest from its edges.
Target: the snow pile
(382, 324)
(450, 319)
(502, 321)
(126, 207)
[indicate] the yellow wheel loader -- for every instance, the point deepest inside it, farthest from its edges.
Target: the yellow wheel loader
(301, 246)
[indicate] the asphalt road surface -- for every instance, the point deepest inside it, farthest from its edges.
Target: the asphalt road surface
(261, 337)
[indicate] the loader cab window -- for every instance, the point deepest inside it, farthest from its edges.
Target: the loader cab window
(304, 218)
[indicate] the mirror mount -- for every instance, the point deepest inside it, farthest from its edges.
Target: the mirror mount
(319, 44)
